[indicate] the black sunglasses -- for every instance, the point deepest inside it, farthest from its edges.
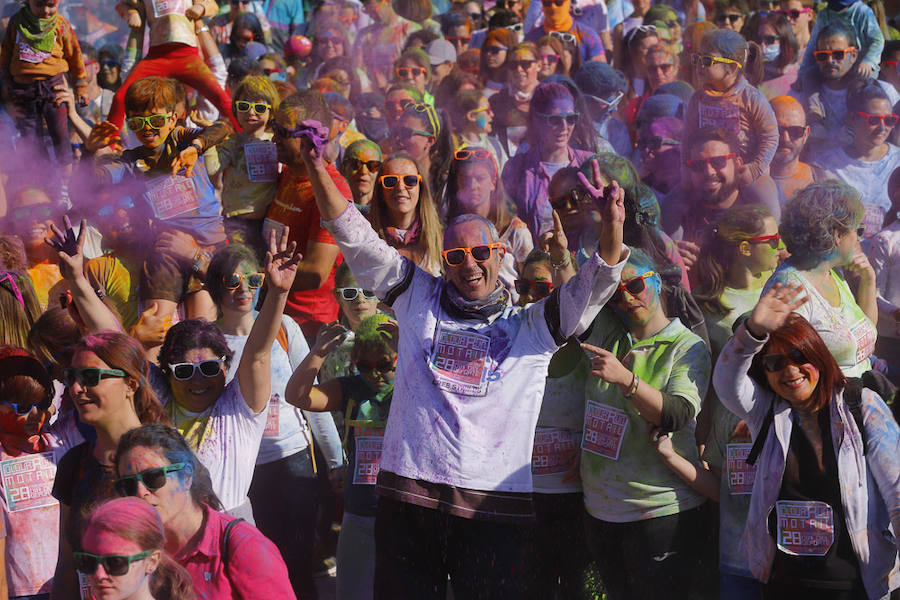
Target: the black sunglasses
(153, 479)
(354, 164)
(23, 408)
(654, 144)
(634, 286)
(557, 120)
(541, 288)
(495, 49)
(730, 18)
(795, 132)
(776, 362)
(385, 366)
(114, 564)
(570, 200)
(768, 40)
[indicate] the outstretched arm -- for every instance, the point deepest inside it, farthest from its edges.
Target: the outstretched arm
(301, 390)
(702, 480)
(254, 371)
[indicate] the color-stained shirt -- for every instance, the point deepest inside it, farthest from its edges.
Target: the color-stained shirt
(250, 174)
(623, 478)
(166, 19)
(295, 206)
(26, 64)
(254, 569)
(518, 244)
(860, 18)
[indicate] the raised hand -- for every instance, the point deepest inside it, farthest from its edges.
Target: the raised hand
(71, 259)
(609, 197)
(555, 242)
(773, 308)
(860, 265)
(607, 367)
(195, 12)
(151, 328)
(102, 135)
(187, 158)
(281, 262)
(328, 338)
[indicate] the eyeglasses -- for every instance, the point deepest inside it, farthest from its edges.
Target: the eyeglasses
(633, 286)
(795, 132)
(33, 212)
(564, 36)
(521, 64)
(270, 72)
(772, 240)
(663, 68)
(731, 18)
(541, 289)
(14, 287)
(115, 565)
(873, 120)
(396, 106)
(234, 281)
(473, 153)
(89, 377)
(354, 164)
(351, 293)
(608, 103)
(389, 182)
(571, 200)
(476, 16)
(457, 256)
(404, 133)
(707, 61)
(795, 13)
(153, 479)
(458, 39)
(153, 121)
(655, 143)
(769, 40)
(495, 49)
(186, 370)
(107, 210)
(23, 408)
(889, 63)
(549, 58)
(515, 27)
(777, 362)
(558, 120)
(717, 162)
(330, 40)
(385, 366)
(838, 55)
(110, 64)
(259, 108)
(406, 72)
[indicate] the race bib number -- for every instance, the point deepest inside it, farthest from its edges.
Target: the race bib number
(272, 417)
(30, 55)
(865, 335)
(604, 429)
(172, 196)
(262, 161)
(28, 481)
(805, 528)
(873, 220)
(368, 459)
(740, 474)
(554, 451)
(162, 8)
(724, 115)
(459, 362)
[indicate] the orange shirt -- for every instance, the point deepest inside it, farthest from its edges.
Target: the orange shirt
(65, 57)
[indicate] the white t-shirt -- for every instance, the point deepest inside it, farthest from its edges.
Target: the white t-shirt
(518, 244)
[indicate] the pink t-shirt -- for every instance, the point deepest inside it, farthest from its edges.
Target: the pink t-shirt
(255, 568)
(30, 513)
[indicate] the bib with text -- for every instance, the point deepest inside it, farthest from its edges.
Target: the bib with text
(805, 528)
(604, 429)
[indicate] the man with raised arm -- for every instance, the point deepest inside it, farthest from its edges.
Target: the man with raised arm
(455, 475)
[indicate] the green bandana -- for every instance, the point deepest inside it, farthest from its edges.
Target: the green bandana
(38, 33)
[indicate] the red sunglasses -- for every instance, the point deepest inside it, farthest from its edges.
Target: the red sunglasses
(888, 120)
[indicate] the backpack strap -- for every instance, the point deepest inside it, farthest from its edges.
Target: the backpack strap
(224, 543)
(853, 400)
(760, 440)
(283, 339)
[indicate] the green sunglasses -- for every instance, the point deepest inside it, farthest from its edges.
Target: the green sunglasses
(114, 564)
(153, 121)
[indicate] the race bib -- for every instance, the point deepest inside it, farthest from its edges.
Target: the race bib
(873, 220)
(272, 417)
(262, 161)
(172, 196)
(740, 474)
(805, 528)
(865, 335)
(28, 481)
(459, 361)
(724, 115)
(604, 429)
(554, 451)
(368, 459)
(30, 55)
(162, 8)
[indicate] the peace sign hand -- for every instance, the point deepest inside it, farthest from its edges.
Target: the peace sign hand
(773, 308)
(609, 197)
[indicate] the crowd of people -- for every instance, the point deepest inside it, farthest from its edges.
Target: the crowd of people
(632, 270)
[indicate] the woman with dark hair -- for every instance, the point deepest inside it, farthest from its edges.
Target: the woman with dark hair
(107, 381)
(551, 123)
(647, 371)
(422, 133)
(29, 443)
(494, 52)
(780, 52)
(474, 187)
(404, 215)
(330, 40)
(284, 491)
(821, 228)
(225, 557)
(125, 537)
(584, 137)
(826, 481)
(511, 104)
(636, 44)
(245, 28)
(867, 161)
(225, 422)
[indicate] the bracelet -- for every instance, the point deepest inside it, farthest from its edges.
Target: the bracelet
(561, 264)
(196, 267)
(202, 29)
(632, 389)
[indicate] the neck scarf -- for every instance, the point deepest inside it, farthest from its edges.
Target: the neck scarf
(485, 310)
(557, 18)
(398, 240)
(38, 33)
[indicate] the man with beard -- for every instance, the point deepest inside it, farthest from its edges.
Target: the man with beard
(711, 187)
(789, 173)
(826, 104)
